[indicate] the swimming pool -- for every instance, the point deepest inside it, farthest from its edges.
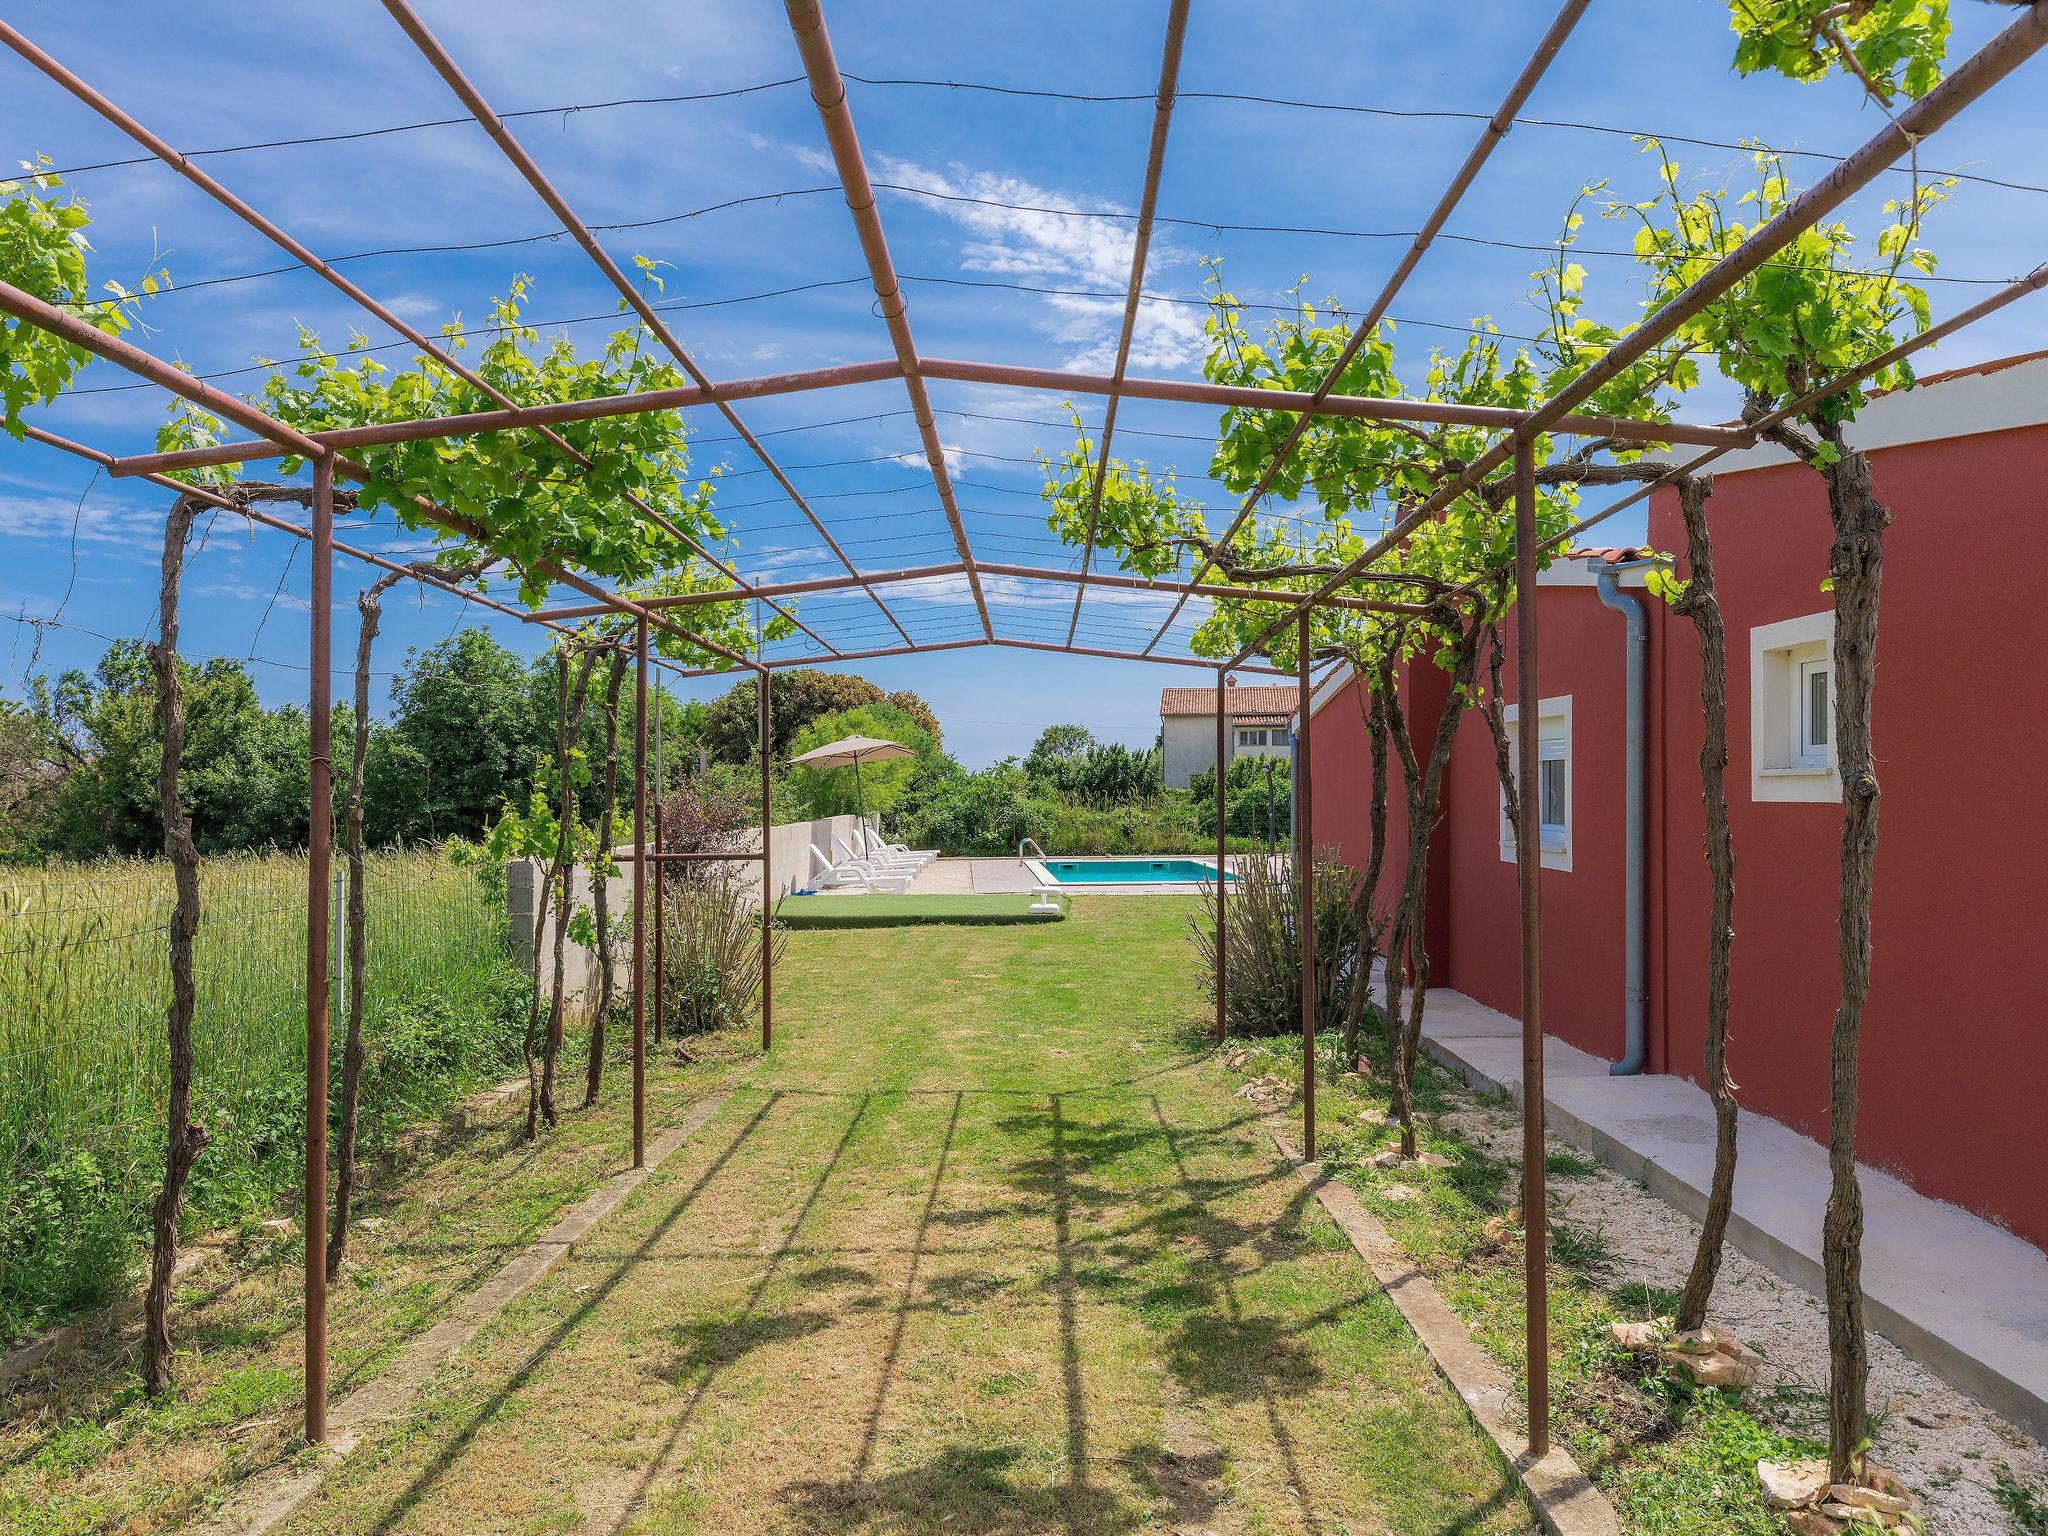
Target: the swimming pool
(1130, 871)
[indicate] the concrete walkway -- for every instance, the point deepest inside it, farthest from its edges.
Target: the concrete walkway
(1963, 1297)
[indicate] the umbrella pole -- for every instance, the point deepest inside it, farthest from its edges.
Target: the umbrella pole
(860, 805)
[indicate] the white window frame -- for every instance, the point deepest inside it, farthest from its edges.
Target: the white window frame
(1252, 736)
(1806, 753)
(1783, 659)
(1553, 744)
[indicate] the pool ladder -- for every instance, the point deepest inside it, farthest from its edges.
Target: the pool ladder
(1032, 844)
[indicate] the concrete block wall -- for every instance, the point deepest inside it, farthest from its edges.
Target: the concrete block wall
(791, 868)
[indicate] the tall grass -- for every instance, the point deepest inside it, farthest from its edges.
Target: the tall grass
(84, 983)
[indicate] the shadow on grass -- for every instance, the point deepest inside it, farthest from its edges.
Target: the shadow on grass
(962, 1490)
(424, 1481)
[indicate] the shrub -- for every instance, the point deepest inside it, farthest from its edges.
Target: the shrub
(711, 956)
(1263, 944)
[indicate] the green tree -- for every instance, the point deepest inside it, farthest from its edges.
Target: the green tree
(796, 697)
(1057, 749)
(244, 775)
(831, 791)
(463, 730)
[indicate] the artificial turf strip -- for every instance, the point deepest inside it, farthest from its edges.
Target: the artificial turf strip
(908, 911)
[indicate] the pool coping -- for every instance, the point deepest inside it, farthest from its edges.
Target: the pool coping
(1045, 877)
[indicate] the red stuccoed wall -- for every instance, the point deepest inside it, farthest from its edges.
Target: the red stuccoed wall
(1955, 1044)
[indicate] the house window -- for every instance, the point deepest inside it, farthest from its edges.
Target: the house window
(1550, 801)
(1792, 711)
(1553, 782)
(1251, 738)
(1811, 704)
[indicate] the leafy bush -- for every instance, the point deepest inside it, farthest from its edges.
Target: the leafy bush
(1247, 811)
(711, 955)
(1263, 944)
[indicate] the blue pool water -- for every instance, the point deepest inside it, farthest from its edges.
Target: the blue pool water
(1129, 871)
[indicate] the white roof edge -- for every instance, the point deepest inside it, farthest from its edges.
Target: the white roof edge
(1967, 405)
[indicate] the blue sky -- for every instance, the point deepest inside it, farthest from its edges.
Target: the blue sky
(212, 74)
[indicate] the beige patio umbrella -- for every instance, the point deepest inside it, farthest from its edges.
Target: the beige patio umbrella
(853, 751)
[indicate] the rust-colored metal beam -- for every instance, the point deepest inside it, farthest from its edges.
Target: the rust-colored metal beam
(776, 589)
(2018, 42)
(58, 322)
(1222, 857)
(284, 241)
(283, 525)
(1165, 587)
(520, 418)
(1091, 650)
(517, 418)
(1162, 585)
(1529, 863)
(1369, 407)
(828, 92)
(1490, 137)
(640, 656)
(761, 686)
(494, 126)
(1300, 803)
(1141, 244)
(319, 854)
(2033, 282)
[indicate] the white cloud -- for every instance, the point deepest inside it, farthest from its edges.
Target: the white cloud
(1062, 250)
(52, 518)
(954, 455)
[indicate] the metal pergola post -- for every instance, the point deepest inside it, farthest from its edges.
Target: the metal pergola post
(1305, 876)
(319, 854)
(640, 893)
(1529, 864)
(767, 869)
(1222, 857)
(660, 913)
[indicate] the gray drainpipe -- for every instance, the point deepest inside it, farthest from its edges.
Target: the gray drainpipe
(1634, 994)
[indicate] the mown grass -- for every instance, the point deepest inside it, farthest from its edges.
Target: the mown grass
(84, 985)
(83, 1450)
(982, 1248)
(987, 1245)
(1675, 1461)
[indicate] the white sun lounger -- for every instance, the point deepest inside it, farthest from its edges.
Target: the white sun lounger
(901, 852)
(854, 873)
(879, 866)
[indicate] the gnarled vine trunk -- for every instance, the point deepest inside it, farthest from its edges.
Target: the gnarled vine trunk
(1701, 604)
(370, 608)
(184, 1140)
(568, 723)
(1856, 565)
(600, 894)
(1372, 711)
(1424, 785)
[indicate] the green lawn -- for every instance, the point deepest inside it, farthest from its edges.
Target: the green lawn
(987, 1246)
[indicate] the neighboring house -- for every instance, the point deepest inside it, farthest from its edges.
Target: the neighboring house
(1259, 719)
(1955, 1037)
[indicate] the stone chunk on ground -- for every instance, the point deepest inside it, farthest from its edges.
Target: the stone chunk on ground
(1792, 1484)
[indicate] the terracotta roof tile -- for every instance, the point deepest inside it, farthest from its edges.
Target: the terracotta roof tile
(1611, 556)
(1237, 701)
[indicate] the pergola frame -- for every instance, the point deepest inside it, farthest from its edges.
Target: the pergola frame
(327, 453)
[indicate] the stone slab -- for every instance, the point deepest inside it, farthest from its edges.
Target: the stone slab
(1564, 1498)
